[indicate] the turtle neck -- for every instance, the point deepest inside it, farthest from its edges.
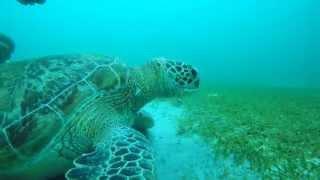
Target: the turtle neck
(148, 82)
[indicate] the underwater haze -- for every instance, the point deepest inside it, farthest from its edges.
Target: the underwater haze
(270, 43)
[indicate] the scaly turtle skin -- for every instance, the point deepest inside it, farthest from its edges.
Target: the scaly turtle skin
(79, 110)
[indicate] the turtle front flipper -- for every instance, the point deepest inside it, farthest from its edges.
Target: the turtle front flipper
(126, 154)
(143, 121)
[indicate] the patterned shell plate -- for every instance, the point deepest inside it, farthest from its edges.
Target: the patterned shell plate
(38, 97)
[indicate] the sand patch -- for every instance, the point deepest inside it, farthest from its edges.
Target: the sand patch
(186, 158)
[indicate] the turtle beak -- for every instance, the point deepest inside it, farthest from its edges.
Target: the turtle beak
(194, 86)
(197, 84)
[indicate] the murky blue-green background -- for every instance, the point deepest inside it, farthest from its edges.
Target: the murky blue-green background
(250, 41)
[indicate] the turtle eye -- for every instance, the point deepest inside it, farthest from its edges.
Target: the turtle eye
(194, 72)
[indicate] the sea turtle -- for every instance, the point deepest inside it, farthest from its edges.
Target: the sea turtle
(75, 114)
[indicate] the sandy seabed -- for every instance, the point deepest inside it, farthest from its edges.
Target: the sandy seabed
(187, 158)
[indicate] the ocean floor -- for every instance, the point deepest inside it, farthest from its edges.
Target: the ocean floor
(187, 157)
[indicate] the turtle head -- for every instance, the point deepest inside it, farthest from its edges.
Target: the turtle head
(178, 75)
(163, 78)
